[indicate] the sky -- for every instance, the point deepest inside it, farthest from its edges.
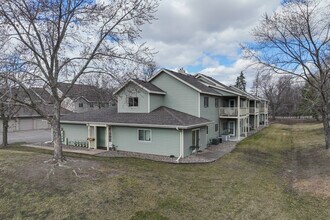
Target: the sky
(204, 36)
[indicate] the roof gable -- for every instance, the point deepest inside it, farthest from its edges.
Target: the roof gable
(189, 80)
(146, 86)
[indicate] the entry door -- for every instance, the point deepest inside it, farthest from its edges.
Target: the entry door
(231, 128)
(101, 132)
(195, 138)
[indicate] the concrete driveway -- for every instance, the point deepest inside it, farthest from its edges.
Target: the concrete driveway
(33, 136)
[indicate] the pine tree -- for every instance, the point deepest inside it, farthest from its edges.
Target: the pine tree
(241, 82)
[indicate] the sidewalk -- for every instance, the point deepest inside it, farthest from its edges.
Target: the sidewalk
(78, 150)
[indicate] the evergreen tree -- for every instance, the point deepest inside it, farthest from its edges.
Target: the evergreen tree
(241, 82)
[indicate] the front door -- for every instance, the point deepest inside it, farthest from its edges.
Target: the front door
(101, 132)
(195, 138)
(231, 128)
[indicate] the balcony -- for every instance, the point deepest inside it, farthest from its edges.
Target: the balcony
(254, 110)
(263, 110)
(232, 111)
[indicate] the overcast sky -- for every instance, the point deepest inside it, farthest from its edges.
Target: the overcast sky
(204, 35)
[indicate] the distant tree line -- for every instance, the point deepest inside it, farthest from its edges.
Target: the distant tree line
(288, 97)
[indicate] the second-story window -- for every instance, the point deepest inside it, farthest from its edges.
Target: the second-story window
(133, 101)
(81, 105)
(217, 102)
(206, 102)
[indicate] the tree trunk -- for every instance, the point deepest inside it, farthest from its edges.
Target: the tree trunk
(273, 113)
(56, 127)
(326, 127)
(5, 131)
(5, 121)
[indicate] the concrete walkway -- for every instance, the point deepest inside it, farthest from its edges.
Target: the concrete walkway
(208, 155)
(78, 150)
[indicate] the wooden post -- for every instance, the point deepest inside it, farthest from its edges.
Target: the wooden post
(107, 137)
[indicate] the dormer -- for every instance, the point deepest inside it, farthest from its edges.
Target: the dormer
(138, 96)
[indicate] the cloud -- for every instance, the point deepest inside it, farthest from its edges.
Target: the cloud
(193, 34)
(228, 74)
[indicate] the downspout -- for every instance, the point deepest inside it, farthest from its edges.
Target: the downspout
(181, 145)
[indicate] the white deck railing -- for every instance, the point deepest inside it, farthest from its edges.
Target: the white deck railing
(232, 111)
(254, 110)
(263, 109)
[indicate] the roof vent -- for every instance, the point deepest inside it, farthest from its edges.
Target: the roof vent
(182, 71)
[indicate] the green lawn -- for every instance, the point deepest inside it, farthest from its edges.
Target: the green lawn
(280, 173)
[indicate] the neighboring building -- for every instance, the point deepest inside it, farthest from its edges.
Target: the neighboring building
(83, 98)
(80, 98)
(173, 113)
(23, 118)
(28, 119)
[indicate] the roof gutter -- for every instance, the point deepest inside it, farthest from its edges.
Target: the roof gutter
(138, 125)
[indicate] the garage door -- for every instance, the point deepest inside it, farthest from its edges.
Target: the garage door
(25, 124)
(41, 124)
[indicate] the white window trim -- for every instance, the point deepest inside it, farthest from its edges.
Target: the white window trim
(133, 102)
(208, 101)
(142, 129)
(199, 134)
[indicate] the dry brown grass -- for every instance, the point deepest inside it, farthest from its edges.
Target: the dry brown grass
(279, 173)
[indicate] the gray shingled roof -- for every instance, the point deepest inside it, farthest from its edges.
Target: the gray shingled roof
(217, 83)
(162, 116)
(26, 112)
(190, 79)
(149, 86)
(89, 92)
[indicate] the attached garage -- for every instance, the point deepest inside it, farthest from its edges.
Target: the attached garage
(25, 124)
(40, 123)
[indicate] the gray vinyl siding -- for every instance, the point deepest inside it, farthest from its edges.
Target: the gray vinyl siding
(86, 106)
(179, 96)
(75, 132)
(164, 142)
(156, 101)
(211, 113)
(132, 90)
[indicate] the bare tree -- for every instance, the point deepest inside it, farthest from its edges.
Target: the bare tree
(149, 70)
(295, 40)
(8, 107)
(274, 89)
(62, 40)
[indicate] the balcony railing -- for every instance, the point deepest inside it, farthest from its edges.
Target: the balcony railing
(232, 111)
(254, 110)
(263, 109)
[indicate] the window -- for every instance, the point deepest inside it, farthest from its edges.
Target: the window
(81, 105)
(216, 127)
(217, 102)
(207, 129)
(133, 101)
(144, 135)
(91, 105)
(232, 103)
(206, 102)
